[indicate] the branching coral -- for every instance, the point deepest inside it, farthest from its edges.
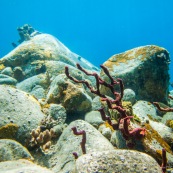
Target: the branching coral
(41, 138)
(115, 104)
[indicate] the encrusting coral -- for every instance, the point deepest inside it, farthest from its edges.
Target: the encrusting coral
(169, 123)
(41, 138)
(8, 131)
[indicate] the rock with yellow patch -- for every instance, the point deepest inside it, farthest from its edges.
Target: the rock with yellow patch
(75, 99)
(144, 70)
(153, 144)
(167, 118)
(21, 109)
(8, 131)
(164, 131)
(72, 97)
(145, 111)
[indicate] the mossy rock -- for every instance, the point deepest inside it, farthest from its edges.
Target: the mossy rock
(144, 69)
(8, 131)
(169, 123)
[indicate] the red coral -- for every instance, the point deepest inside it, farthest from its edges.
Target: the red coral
(83, 133)
(163, 109)
(164, 161)
(116, 103)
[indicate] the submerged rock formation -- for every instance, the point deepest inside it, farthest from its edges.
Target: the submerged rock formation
(144, 70)
(37, 94)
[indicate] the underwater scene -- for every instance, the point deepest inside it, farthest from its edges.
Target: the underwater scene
(86, 86)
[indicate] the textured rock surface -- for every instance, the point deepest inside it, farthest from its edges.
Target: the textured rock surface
(145, 111)
(7, 71)
(117, 161)
(63, 160)
(105, 131)
(4, 79)
(94, 118)
(153, 144)
(164, 131)
(21, 109)
(168, 116)
(12, 150)
(129, 95)
(96, 103)
(22, 166)
(144, 70)
(118, 140)
(73, 98)
(31, 84)
(58, 112)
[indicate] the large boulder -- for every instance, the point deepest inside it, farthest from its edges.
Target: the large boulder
(71, 96)
(19, 109)
(62, 159)
(144, 70)
(31, 55)
(117, 161)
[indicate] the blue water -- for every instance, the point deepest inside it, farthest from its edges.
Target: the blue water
(94, 29)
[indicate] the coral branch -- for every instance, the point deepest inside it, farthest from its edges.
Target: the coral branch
(162, 109)
(113, 81)
(138, 133)
(164, 161)
(97, 91)
(83, 142)
(115, 104)
(107, 118)
(121, 87)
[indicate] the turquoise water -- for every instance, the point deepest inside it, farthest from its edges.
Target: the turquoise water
(94, 29)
